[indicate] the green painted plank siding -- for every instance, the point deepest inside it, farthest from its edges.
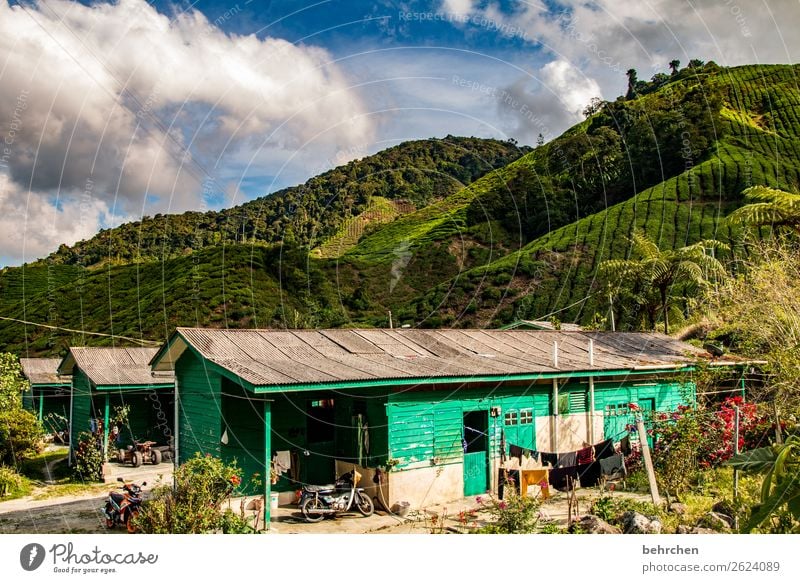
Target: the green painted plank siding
(243, 425)
(428, 425)
(199, 416)
(82, 409)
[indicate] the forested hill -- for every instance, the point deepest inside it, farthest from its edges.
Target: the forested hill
(453, 232)
(411, 175)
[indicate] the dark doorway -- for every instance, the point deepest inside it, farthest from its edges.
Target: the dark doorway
(476, 452)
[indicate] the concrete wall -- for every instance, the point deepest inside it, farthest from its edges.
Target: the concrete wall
(426, 486)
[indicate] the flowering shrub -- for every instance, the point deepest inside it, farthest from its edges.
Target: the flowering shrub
(194, 505)
(689, 440)
(514, 515)
(88, 458)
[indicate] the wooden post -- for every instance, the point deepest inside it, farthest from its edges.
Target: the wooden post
(778, 434)
(105, 427)
(267, 464)
(555, 415)
(648, 462)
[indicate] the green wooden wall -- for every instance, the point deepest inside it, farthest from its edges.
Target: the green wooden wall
(428, 425)
(242, 424)
(82, 409)
(199, 415)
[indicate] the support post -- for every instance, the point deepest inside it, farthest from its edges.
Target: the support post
(176, 432)
(105, 427)
(41, 404)
(648, 462)
(591, 410)
(267, 464)
(555, 415)
(71, 417)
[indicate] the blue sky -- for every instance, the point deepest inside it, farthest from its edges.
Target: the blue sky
(123, 109)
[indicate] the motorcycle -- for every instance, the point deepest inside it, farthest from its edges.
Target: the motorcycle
(121, 508)
(317, 502)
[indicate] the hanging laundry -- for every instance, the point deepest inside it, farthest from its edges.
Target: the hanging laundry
(549, 459)
(294, 470)
(283, 461)
(561, 478)
(604, 449)
(589, 474)
(585, 455)
(625, 445)
(566, 460)
(535, 478)
(515, 451)
(535, 456)
(613, 468)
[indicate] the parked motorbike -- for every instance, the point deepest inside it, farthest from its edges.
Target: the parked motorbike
(317, 502)
(121, 508)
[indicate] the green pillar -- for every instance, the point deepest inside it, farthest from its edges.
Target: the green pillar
(267, 463)
(105, 429)
(41, 404)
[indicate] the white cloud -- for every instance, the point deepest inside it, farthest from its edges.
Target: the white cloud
(117, 94)
(606, 37)
(570, 85)
(458, 8)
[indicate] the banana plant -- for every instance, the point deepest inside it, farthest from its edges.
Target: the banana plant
(780, 488)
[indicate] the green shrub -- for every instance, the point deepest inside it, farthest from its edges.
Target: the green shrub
(20, 436)
(194, 505)
(514, 515)
(11, 483)
(88, 458)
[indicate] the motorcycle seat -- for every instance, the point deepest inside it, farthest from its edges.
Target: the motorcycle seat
(325, 488)
(116, 497)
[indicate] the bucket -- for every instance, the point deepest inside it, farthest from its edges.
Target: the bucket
(273, 500)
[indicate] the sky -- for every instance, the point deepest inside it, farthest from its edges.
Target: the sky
(110, 111)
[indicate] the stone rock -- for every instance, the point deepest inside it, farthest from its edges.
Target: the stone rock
(683, 529)
(716, 521)
(677, 508)
(723, 507)
(592, 524)
(635, 523)
(701, 530)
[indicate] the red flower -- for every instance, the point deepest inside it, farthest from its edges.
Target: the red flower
(235, 480)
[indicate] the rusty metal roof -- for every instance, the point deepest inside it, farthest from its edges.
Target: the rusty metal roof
(289, 357)
(115, 367)
(43, 371)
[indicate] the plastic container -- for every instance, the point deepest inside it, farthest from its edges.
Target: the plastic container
(273, 500)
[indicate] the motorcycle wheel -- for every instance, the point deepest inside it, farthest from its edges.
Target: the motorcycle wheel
(129, 523)
(308, 508)
(364, 504)
(109, 521)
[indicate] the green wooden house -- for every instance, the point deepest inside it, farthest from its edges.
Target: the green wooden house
(49, 394)
(431, 405)
(105, 379)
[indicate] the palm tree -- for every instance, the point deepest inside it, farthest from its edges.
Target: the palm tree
(768, 206)
(661, 271)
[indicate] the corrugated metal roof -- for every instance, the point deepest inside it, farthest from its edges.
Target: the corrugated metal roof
(117, 366)
(43, 371)
(281, 357)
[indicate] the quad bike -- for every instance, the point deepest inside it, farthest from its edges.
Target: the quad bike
(121, 508)
(141, 452)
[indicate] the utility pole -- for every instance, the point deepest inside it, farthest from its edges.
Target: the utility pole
(611, 307)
